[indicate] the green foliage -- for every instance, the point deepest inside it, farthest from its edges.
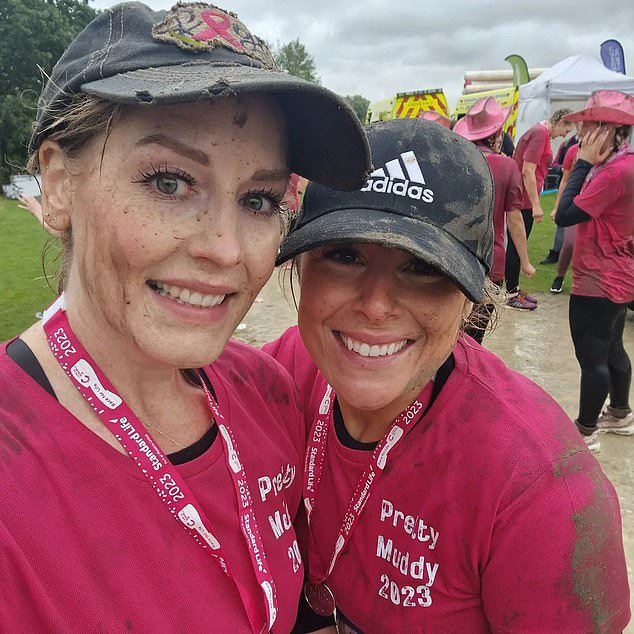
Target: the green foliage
(359, 104)
(23, 288)
(296, 60)
(32, 33)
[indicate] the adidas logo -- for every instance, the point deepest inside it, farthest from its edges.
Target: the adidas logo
(404, 177)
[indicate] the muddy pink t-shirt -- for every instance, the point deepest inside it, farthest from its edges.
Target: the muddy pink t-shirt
(603, 257)
(534, 147)
(491, 516)
(570, 157)
(508, 197)
(87, 545)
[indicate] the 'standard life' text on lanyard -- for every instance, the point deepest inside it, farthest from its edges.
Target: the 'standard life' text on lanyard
(166, 481)
(314, 464)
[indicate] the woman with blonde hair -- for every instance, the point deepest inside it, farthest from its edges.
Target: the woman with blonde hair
(150, 466)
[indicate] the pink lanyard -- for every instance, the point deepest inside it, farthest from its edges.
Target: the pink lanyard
(313, 470)
(164, 478)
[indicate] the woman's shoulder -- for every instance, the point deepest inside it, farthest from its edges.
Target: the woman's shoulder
(513, 407)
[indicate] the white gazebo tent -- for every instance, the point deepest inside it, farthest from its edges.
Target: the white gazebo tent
(567, 84)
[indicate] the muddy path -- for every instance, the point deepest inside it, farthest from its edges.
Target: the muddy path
(535, 343)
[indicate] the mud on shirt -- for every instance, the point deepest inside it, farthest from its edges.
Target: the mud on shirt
(492, 516)
(87, 546)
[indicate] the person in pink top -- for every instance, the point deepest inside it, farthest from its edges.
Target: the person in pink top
(484, 125)
(533, 156)
(565, 253)
(444, 491)
(599, 200)
(150, 467)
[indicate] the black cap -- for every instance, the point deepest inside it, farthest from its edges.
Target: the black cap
(431, 195)
(132, 55)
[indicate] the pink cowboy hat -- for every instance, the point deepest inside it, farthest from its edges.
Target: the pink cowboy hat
(436, 117)
(609, 106)
(484, 118)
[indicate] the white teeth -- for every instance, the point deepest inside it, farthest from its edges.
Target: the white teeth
(366, 350)
(186, 296)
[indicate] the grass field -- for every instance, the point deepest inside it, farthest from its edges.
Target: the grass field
(25, 291)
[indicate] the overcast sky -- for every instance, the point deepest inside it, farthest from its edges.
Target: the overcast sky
(377, 48)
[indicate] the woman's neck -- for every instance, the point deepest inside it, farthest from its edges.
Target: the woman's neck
(371, 425)
(174, 411)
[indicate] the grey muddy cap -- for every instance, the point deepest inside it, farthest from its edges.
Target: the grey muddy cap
(431, 195)
(132, 55)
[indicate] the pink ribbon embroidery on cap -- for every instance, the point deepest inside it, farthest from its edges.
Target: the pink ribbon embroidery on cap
(201, 27)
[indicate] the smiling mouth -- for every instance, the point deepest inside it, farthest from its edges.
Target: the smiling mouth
(185, 295)
(372, 350)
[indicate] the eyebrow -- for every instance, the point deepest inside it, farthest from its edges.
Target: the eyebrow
(174, 144)
(271, 175)
(202, 158)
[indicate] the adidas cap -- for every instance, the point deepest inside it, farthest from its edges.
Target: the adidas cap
(431, 194)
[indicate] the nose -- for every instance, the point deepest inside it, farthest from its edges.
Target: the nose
(376, 298)
(218, 236)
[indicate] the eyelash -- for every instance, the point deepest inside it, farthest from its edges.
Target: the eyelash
(155, 171)
(349, 257)
(278, 204)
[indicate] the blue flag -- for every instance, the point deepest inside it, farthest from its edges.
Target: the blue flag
(612, 56)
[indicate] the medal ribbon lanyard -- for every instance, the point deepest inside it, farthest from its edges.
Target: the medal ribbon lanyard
(165, 479)
(314, 464)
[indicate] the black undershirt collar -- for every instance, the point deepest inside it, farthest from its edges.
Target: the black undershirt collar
(22, 355)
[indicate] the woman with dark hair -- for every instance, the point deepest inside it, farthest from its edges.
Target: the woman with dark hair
(444, 492)
(599, 200)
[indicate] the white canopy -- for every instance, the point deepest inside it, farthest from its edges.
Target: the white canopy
(567, 84)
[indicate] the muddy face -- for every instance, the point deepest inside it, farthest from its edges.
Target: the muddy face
(177, 226)
(378, 323)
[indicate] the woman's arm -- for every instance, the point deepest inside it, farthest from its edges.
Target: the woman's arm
(567, 212)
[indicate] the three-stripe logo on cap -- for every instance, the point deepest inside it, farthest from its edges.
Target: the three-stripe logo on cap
(402, 176)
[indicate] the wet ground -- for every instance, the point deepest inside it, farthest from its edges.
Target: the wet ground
(535, 343)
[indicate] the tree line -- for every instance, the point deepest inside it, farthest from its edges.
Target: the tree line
(34, 34)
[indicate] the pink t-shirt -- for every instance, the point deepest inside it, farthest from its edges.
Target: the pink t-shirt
(492, 516)
(534, 147)
(603, 258)
(86, 544)
(570, 157)
(508, 197)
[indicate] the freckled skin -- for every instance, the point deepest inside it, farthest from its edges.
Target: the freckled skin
(204, 234)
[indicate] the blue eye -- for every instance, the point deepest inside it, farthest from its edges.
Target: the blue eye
(167, 184)
(266, 202)
(165, 181)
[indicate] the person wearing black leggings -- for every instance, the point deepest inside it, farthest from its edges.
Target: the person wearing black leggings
(599, 199)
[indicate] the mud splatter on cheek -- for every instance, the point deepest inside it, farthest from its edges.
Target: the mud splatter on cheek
(241, 117)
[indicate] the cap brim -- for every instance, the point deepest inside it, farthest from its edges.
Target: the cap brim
(424, 240)
(607, 115)
(327, 143)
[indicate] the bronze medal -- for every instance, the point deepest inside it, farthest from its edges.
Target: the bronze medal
(320, 598)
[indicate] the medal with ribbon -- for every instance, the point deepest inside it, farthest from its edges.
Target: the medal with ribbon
(317, 592)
